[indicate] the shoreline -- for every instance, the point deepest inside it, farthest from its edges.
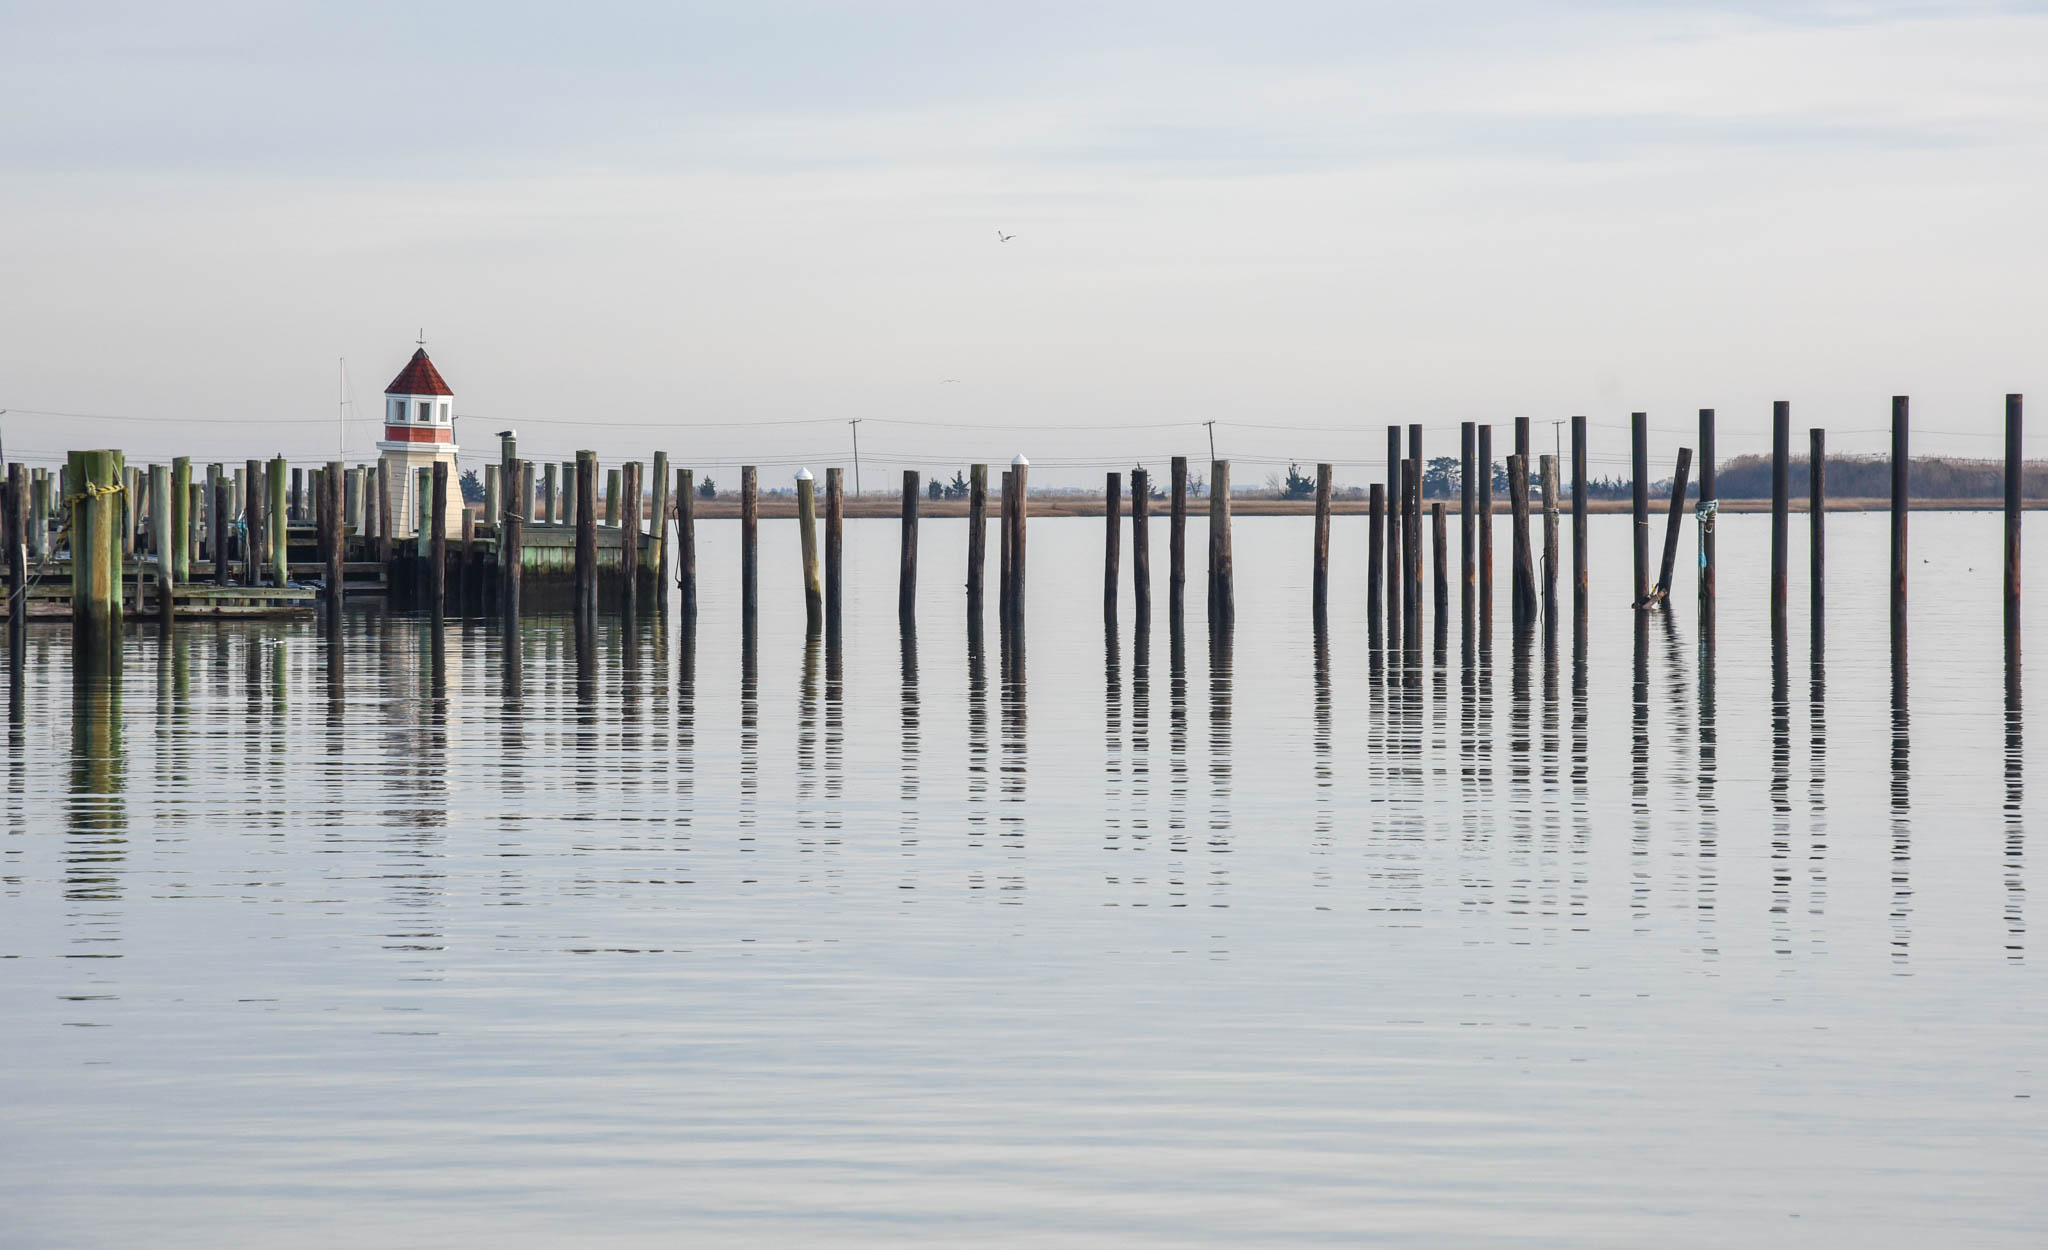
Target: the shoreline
(891, 507)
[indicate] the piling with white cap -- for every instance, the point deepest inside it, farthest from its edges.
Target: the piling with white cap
(807, 532)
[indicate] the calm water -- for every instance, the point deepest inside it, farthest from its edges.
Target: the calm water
(1246, 941)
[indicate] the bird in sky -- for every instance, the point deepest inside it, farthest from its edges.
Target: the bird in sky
(1003, 238)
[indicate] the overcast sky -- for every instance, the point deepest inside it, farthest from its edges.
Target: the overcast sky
(1302, 221)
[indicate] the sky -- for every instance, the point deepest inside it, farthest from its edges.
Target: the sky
(725, 230)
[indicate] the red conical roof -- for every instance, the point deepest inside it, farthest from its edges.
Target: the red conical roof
(419, 377)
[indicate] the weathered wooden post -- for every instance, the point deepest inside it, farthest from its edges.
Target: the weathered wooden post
(96, 480)
(1411, 550)
(586, 533)
(1007, 565)
(686, 546)
(1468, 524)
(835, 546)
(807, 541)
(1547, 478)
(1486, 528)
(629, 534)
(1816, 527)
(1442, 560)
(569, 493)
(750, 543)
(219, 527)
(977, 537)
(906, 568)
(2015, 485)
(1321, 590)
(512, 545)
(17, 553)
(658, 532)
(469, 566)
(335, 529)
(1376, 551)
(550, 495)
(508, 451)
(39, 516)
(1581, 589)
(437, 543)
(494, 499)
(1112, 562)
(162, 543)
(1522, 443)
(1522, 588)
(1639, 473)
(276, 532)
(1709, 508)
(1397, 504)
(131, 517)
(1902, 476)
(1222, 580)
(611, 498)
(181, 519)
(1177, 537)
(1415, 511)
(1141, 545)
(1020, 482)
(253, 541)
(1680, 479)
(295, 507)
(1781, 522)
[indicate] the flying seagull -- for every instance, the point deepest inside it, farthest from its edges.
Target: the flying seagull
(1003, 238)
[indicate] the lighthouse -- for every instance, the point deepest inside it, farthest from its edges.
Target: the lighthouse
(419, 429)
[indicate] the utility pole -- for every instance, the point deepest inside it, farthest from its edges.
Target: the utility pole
(1212, 439)
(855, 423)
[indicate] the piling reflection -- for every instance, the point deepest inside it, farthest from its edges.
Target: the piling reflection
(96, 807)
(750, 727)
(2015, 802)
(910, 723)
(977, 733)
(1901, 800)
(1221, 640)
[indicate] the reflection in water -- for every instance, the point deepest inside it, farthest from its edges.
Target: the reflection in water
(977, 739)
(908, 786)
(97, 807)
(1177, 759)
(1325, 762)
(750, 728)
(686, 722)
(1817, 792)
(1781, 792)
(2015, 795)
(1902, 803)
(1639, 770)
(1220, 642)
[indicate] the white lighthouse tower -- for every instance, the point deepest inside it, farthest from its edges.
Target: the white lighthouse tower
(419, 428)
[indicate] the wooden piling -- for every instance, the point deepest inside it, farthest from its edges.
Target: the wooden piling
(253, 499)
(219, 526)
(1008, 562)
(586, 533)
(2015, 481)
(686, 544)
(1468, 524)
(1020, 485)
(611, 498)
(181, 519)
(97, 479)
(1816, 525)
(1546, 477)
(131, 516)
(569, 493)
(1112, 547)
(1781, 521)
(1486, 527)
(1397, 521)
(906, 565)
(1639, 512)
(1376, 550)
(1438, 542)
(295, 507)
(1902, 472)
(468, 563)
(835, 543)
(1411, 549)
(1321, 589)
(334, 533)
(1708, 509)
(437, 542)
(1177, 537)
(750, 543)
(977, 537)
(1581, 587)
(276, 531)
(1522, 443)
(512, 545)
(162, 543)
(1141, 545)
(15, 537)
(807, 545)
(39, 516)
(658, 531)
(1222, 582)
(629, 536)
(1415, 510)
(550, 494)
(1522, 589)
(1680, 479)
